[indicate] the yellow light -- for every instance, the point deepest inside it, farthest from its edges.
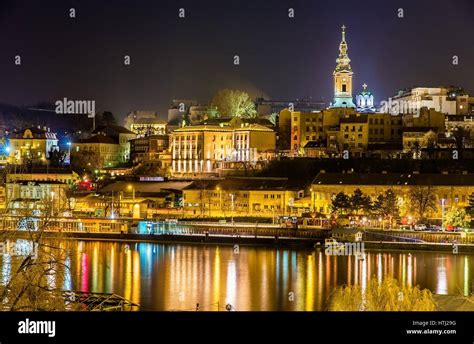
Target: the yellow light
(130, 186)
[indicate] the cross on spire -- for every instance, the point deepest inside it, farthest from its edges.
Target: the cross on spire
(343, 27)
(364, 86)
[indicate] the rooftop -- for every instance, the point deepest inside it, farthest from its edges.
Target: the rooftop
(247, 183)
(99, 139)
(354, 119)
(112, 130)
(144, 187)
(395, 179)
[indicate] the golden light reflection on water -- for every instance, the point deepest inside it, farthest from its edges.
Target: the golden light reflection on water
(178, 277)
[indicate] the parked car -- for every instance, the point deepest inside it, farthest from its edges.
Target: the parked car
(420, 227)
(434, 228)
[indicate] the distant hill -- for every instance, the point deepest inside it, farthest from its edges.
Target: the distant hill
(14, 117)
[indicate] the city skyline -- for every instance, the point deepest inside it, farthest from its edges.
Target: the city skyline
(172, 57)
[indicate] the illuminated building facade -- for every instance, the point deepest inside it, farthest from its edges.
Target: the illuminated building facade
(262, 197)
(121, 136)
(33, 144)
(453, 188)
(211, 148)
(446, 100)
(148, 148)
(98, 151)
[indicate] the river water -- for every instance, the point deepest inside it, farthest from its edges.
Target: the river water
(179, 276)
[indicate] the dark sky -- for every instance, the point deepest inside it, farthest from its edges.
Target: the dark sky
(280, 58)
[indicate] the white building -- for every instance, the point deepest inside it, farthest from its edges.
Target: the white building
(447, 100)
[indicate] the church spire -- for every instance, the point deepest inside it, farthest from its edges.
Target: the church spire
(343, 61)
(343, 76)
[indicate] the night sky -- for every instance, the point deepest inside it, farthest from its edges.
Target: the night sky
(191, 58)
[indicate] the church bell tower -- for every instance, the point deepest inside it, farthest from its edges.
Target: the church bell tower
(343, 77)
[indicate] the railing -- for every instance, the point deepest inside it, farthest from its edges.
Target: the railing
(72, 225)
(238, 231)
(433, 237)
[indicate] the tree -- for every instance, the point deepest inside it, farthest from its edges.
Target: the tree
(457, 218)
(470, 207)
(386, 205)
(460, 135)
(85, 160)
(422, 200)
(390, 204)
(234, 103)
(416, 150)
(377, 207)
(105, 119)
(274, 118)
(340, 203)
(431, 147)
(359, 201)
(388, 295)
(37, 271)
(57, 157)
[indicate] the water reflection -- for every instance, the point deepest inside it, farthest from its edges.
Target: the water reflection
(178, 277)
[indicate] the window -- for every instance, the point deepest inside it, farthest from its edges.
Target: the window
(344, 88)
(307, 138)
(278, 196)
(265, 196)
(295, 119)
(371, 121)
